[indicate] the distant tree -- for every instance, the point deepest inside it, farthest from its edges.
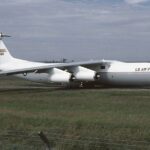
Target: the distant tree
(63, 60)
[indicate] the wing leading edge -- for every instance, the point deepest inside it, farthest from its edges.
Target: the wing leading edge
(44, 68)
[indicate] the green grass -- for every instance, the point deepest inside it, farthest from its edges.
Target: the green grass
(89, 119)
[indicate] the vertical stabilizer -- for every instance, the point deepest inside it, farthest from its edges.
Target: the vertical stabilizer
(5, 56)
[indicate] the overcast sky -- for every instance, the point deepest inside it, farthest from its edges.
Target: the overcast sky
(77, 29)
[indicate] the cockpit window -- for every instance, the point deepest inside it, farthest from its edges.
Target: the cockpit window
(102, 67)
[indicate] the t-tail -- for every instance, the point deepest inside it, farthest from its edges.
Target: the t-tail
(5, 56)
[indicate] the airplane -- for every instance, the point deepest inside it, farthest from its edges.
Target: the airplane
(75, 74)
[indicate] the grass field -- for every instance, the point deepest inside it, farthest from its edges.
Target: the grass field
(85, 119)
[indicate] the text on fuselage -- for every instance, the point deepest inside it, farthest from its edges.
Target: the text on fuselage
(142, 69)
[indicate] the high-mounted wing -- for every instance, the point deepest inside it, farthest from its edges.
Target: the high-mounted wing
(46, 67)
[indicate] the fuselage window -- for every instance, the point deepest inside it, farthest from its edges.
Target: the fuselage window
(102, 67)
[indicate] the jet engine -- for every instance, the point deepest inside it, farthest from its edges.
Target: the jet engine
(57, 75)
(83, 74)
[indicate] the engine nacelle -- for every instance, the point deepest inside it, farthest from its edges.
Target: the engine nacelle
(83, 74)
(59, 76)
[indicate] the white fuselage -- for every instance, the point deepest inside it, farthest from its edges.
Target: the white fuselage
(127, 74)
(117, 73)
(100, 72)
